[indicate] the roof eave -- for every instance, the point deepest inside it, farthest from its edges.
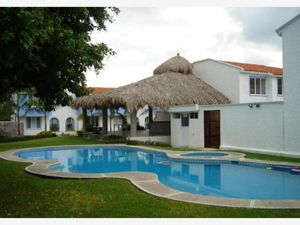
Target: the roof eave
(280, 29)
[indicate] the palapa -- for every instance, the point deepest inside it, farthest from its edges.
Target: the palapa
(173, 83)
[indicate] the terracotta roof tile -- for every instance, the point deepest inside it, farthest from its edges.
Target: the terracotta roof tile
(257, 68)
(100, 89)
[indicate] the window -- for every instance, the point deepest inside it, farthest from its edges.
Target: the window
(70, 124)
(257, 86)
(54, 124)
(176, 115)
(33, 122)
(184, 119)
(279, 86)
(194, 115)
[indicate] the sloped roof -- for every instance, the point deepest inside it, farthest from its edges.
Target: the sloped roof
(172, 84)
(257, 68)
(100, 89)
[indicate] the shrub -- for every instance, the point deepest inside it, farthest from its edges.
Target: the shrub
(46, 134)
(22, 138)
(54, 127)
(113, 137)
(153, 143)
(80, 133)
(89, 128)
(96, 130)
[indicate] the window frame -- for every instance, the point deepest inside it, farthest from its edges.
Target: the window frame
(33, 122)
(261, 82)
(73, 124)
(185, 117)
(194, 115)
(278, 94)
(176, 116)
(53, 119)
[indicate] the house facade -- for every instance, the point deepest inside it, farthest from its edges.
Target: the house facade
(68, 120)
(242, 82)
(266, 123)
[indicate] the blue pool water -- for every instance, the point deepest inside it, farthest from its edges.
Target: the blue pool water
(206, 177)
(205, 154)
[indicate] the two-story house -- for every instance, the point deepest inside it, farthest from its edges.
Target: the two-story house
(242, 82)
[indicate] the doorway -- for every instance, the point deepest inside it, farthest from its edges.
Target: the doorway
(212, 129)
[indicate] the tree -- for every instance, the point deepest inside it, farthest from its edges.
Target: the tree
(21, 104)
(6, 110)
(50, 49)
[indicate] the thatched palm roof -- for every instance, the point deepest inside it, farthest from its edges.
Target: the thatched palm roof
(172, 84)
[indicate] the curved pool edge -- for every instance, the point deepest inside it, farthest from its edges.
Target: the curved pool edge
(149, 183)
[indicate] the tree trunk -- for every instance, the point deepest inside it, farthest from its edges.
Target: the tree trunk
(18, 121)
(45, 117)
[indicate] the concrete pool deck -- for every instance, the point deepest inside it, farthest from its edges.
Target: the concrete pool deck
(149, 183)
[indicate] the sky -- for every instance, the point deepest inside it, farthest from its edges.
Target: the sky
(143, 38)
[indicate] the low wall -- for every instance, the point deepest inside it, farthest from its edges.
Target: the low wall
(10, 128)
(160, 127)
(165, 139)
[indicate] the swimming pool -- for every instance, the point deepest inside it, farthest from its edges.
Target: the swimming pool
(220, 178)
(205, 154)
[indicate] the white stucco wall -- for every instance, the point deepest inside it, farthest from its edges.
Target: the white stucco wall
(33, 131)
(234, 83)
(220, 76)
(291, 71)
(61, 113)
(271, 89)
(256, 129)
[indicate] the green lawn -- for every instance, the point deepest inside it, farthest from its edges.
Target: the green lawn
(26, 195)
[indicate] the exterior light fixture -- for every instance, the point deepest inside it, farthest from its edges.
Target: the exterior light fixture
(250, 105)
(257, 105)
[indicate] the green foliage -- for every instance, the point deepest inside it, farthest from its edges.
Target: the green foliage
(6, 139)
(80, 133)
(149, 143)
(46, 134)
(89, 127)
(50, 49)
(6, 111)
(54, 127)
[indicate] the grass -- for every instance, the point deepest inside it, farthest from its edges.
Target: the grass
(26, 195)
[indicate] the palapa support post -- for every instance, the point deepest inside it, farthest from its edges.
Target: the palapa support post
(133, 123)
(104, 120)
(84, 119)
(150, 116)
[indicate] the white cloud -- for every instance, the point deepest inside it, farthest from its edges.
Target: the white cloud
(145, 37)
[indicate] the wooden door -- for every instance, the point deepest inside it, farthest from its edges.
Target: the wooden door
(212, 129)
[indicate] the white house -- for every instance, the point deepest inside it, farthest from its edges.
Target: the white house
(259, 124)
(290, 33)
(69, 120)
(242, 82)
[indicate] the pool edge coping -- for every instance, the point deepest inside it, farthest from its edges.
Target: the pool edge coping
(149, 183)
